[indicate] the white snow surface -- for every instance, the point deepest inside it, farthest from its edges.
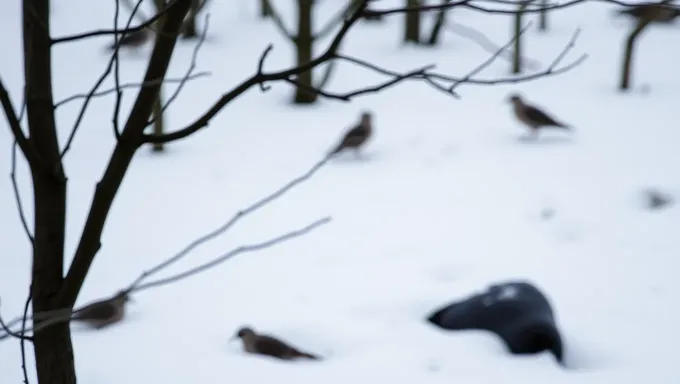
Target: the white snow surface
(447, 200)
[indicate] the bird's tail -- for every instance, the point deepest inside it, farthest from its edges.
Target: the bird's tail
(307, 355)
(336, 150)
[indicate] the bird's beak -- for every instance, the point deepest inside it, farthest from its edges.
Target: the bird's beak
(233, 338)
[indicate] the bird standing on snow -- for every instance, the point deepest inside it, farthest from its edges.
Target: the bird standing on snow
(132, 39)
(269, 346)
(357, 136)
(533, 117)
(103, 313)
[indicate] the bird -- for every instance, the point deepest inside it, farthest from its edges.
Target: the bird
(132, 39)
(356, 137)
(533, 117)
(269, 346)
(103, 313)
(662, 12)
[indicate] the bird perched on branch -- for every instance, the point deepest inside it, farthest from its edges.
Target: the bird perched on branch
(269, 346)
(100, 314)
(533, 117)
(132, 39)
(663, 12)
(356, 137)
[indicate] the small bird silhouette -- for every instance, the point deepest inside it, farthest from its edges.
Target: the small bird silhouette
(356, 137)
(662, 12)
(533, 117)
(100, 314)
(269, 346)
(132, 39)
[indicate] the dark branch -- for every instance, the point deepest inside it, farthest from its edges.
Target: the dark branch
(9, 332)
(396, 78)
(260, 78)
(231, 222)
(15, 126)
(115, 120)
(115, 31)
(133, 86)
(334, 21)
(242, 249)
(22, 342)
(17, 194)
(512, 5)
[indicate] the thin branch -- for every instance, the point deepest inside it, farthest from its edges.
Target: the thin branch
(132, 85)
(485, 64)
(9, 332)
(115, 31)
(472, 4)
(190, 70)
(482, 40)
(376, 88)
(15, 126)
(99, 82)
(22, 342)
(17, 194)
(242, 249)
(260, 78)
(231, 222)
(116, 74)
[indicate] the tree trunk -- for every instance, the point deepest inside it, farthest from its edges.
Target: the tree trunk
(629, 49)
(189, 30)
(543, 16)
(412, 23)
(158, 121)
(53, 348)
(265, 9)
(516, 33)
(304, 42)
(438, 25)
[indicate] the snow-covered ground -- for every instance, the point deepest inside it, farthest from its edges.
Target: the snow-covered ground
(447, 201)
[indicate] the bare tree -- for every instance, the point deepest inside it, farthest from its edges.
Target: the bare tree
(190, 30)
(412, 22)
(54, 288)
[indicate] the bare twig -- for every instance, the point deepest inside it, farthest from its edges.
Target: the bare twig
(130, 86)
(22, 341)
(100, 81)
(15, 126)
(474, 4)
(483, 41)
(9, 332)
(242, 249)
(17, 194)
(231, 222)
(116, 74)
(115, 31)
(372, 89)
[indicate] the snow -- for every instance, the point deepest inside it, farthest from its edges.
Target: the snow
(447, 201)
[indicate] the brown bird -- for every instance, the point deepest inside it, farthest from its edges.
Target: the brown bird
(533, 117)
(100, 314)
(356, 137)
(269, 346)
(663, 12)
(132, 39)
